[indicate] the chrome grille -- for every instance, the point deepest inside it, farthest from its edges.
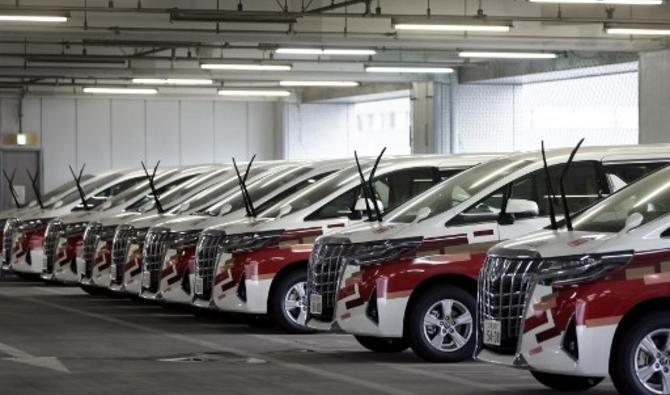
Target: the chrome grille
(325, 266)
(124, 235)
(207, 253)
(91, 237)
(51, 237)
(503, 295)
(8, 240)
(155, 247)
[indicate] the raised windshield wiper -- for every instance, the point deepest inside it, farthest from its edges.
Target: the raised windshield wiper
(364, 187)
(566, 209)
(77, 181)
(371, 186)
(550, 190)
(152, 178)
(10, 181)
(248, 204)
(36, 188)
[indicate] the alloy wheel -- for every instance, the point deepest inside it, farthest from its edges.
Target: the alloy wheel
(447, 325)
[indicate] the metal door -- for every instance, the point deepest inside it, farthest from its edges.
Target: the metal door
(19, 159)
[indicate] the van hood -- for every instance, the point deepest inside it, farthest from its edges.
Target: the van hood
(362, 232)
(187, 222)
(559, 243)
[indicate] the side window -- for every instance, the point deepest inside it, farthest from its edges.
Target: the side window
(584, 185)
(102, 196)
(341, 206)
(629, 172)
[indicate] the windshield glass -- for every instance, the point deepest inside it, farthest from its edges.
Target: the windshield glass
(172, 196)
(649, 197)
(54, 193)
(457, 189)
(257, 190)
(94, 184)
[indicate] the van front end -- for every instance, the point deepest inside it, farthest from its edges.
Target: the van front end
(23, 243)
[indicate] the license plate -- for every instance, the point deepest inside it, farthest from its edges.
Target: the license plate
(315, 304)
(199, 285)
(492, 332)
(146, 279)
(112, 272)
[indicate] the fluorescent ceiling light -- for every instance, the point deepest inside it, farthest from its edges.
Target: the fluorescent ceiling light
(5, 17)
(400, 69)
(326, 51)
(171, 81)
(246, 67)
(339, 84)
(121, 91)
(254, 92)
(507, 55)
(627, 2)
(639, 31)
(455, 27)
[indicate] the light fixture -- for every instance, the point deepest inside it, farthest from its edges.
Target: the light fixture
(638, 30)
(25, 16)
(120, 91)
(246, 66)
(171, 81)
(230, 17)
(402, 69)
(326, 51)
(461, 25)
(76, 61)
(21, 139)
(507, 55)
(623, 2)
(335, 84)
(254, 92)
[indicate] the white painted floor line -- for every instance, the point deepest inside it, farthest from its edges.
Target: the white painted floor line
(378, 387)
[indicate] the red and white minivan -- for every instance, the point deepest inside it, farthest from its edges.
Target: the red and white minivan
(576, 304)
(411, 279)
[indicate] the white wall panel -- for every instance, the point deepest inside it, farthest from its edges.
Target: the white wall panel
(94, 134)
(318, 131)
(9, 115)
(32, 121)
(230, 133)
(163, 132)
(58, 140)
(128, 133)
(261, 130)
(197, 132)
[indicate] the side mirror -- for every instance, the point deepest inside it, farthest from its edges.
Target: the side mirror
(633, 221)
(423, 213)
(522, 208)
(184, 207)
(284, 210)
(360, 205)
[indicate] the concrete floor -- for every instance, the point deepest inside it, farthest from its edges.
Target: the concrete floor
(59, 340)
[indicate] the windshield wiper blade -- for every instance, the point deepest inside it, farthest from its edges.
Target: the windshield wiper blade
(248, 204)
(77, 180)
(12, 191)
(152, 178)
(36, 188)
(550, 190)
(566, 209)
(371, 186)
(364, 187)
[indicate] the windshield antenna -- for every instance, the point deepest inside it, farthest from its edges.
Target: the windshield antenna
(371, 186)
(77, 180)
(364, 187)
(566, 209)
(36, 187)
(10, 181)
(152, 178)
(550, 190)
(248, 204)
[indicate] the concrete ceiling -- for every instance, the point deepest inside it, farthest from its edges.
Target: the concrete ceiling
(149, 38)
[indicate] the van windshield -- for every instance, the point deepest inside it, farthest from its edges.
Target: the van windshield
(649, 197)
(457, 189)
(87, 187)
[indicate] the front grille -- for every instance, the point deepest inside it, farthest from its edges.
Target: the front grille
(155, 247)
(206, 255)
(124, 235)
(8, 240)
(91, 237)
(503, 294)
(51, 237)
(325, 266)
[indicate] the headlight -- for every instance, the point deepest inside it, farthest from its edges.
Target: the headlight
(245, 242)
(32, 225)
(185, 239)
(580, 269)
(378, 252)
(74, 229)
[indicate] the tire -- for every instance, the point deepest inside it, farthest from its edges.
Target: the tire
(625, 353)
(284, 288)
(28, 276)
(95, 291)
(566, 383)
(419, 334)
(384, 345)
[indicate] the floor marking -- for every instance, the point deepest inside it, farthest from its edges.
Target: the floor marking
(19, 356)
(443, 376)
(217, 347)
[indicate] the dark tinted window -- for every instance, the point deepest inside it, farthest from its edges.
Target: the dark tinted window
(290, 191)
(148, 198)
(100, 197)
(629, 172)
